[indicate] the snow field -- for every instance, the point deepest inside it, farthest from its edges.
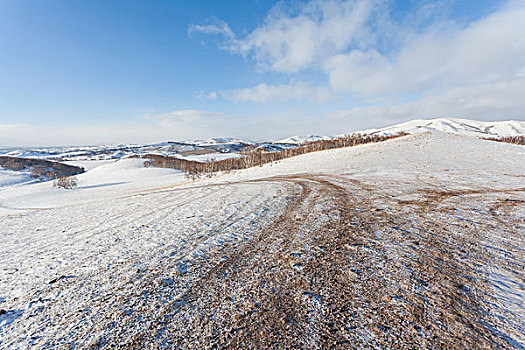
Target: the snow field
(65, 254)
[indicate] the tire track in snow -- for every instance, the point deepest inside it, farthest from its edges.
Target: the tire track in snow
(344, 265)
(119, 276)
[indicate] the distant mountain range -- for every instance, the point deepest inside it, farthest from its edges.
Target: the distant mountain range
(224, 146)
(107, 152)
(297, 140)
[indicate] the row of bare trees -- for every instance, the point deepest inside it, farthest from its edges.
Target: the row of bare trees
(518, 140)
(40, 168)
(255, 156)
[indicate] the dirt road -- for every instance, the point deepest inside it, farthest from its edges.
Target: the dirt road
(348, 266)
(345, 264)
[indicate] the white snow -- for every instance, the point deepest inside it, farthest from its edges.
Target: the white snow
(455, 126)
(105, 181)
(89, 164)
(123, 213)
(11, 177)
(427, 152)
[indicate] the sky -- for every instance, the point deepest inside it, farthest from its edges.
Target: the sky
(126, 71)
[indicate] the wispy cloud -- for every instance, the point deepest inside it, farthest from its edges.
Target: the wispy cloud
(263, 93)
(216, 28)
(364, 53)
(490, 49)
(176, 125)
(17, 135)
(291, 42)
(186, 117)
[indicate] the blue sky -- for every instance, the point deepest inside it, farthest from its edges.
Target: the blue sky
(83, 72)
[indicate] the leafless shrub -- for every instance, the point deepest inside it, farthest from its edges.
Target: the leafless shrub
(67, 182)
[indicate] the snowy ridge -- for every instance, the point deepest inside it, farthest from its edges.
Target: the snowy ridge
(457, 126)
(465, 127)
(219, 141)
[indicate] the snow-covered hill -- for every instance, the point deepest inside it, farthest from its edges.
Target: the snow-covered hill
(119, 151)
(107, 180)
(222, 146)
(466, 127)
(91, 157)
(455, 126)
(368, 233)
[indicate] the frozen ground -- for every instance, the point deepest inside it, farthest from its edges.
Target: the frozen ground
(103, 182)
(417, 242)
(10, 178)
(89, 164)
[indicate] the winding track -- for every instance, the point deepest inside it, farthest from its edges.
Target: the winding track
(336, 264)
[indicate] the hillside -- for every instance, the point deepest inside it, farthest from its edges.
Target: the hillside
(456, 126)
(413, 242)
(212, 147)
(203, 150)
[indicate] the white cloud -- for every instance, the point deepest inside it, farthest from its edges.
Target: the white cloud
(185, 117)
(488, 101)
(19, 135)
(217, 28)
(290, 43)
(202, 95)
(175, 126)
(364, 52)
(195, 124)
(262, 93)
(491, 49)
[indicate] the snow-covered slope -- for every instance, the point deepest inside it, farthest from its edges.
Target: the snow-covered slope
(231, 145)
(12, 178)
(455, 126)
(91, 157)
(443, 125)
(79, 266)
(105, 181)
